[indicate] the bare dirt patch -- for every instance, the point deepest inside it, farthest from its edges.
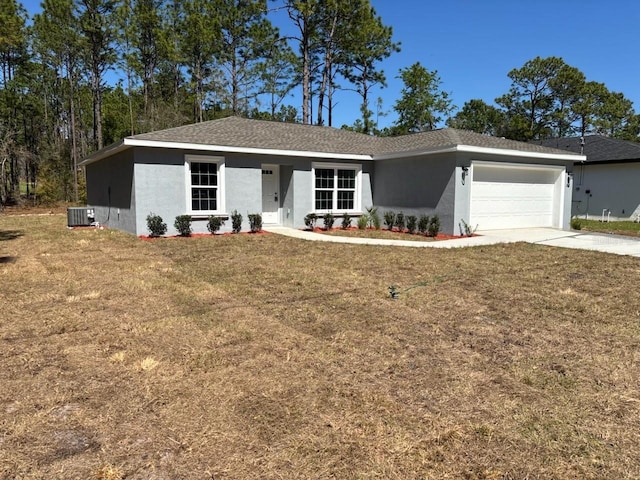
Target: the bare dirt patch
(269, 357)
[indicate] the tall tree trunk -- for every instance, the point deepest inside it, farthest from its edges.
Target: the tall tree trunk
(97, 110)
(306, 84)
(328, 66)
(199, 93)
(98, 120)
(74, 147)
(234, 84)
(130, 98)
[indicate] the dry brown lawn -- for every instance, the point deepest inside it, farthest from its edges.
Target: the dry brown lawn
(383, 234)
(265, 357)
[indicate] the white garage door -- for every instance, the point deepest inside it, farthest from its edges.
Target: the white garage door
(507, 196)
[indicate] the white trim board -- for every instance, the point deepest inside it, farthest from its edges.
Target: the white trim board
(133, 142)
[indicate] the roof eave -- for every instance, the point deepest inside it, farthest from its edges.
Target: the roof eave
(133, 142)
(482, 150)
(104, 153)
(607, 162)
(130, 142)
(571, 157)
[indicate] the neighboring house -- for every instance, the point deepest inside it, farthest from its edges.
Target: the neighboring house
(285, 171)
(607, 183)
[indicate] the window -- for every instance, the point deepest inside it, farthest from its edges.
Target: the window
(336, 187)
(204, 184)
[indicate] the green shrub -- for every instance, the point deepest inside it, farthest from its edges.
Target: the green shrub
(255, 222)
(412, 223)
(310, 220)
(183, 225)
(389, 219)
(400, 221)
(214, 224)
(346, 221)
(155, 225)
(466, 229)
(576, 224)
(423, 224)
(373, 217)
(236, 222)
(434, 226)
(363, 221)
(328, 221)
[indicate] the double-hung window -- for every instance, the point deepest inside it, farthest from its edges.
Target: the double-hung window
(205, 183)
(336, 187)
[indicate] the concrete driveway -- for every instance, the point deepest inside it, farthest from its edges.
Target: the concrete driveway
(600, 242)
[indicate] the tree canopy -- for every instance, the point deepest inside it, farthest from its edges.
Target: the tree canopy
(84, 73)
(422, 104)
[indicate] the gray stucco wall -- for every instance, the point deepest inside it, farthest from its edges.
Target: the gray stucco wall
(417, 185)
(161, 186)
(302, 182)
(287, 194)
(111, 191)
(127, 187)
(611, 186)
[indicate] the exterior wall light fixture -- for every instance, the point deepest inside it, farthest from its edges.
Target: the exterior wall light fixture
(465, 172)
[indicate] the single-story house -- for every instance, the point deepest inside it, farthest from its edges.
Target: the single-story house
(607, 182)
(285, 171)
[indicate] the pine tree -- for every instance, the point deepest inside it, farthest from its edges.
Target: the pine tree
(200, 35)
(422, 103)
(247, 36)
(59, 47)
(370, 42)
(98, 37)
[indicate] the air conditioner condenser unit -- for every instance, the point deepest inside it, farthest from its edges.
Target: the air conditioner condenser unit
(80, 216)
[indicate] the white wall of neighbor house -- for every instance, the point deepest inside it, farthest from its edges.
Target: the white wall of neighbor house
(611, 190)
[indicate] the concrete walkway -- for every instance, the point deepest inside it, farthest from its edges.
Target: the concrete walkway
(616, 244)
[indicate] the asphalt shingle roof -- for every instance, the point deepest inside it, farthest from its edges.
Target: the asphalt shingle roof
(249, 133)
(451, 137)
(597, 148)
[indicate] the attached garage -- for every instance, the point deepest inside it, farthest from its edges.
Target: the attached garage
(516, 195)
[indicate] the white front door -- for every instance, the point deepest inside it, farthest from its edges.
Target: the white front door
(271, 194)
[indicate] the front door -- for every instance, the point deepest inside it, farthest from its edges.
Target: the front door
(270, 194)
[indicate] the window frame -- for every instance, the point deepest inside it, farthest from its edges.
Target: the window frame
(357, 196)
(220, 164)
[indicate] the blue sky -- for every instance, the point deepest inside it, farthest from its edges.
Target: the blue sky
(473, 44)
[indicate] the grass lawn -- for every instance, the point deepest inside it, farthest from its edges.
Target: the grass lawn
(620, 228)
(381, 234)
(264, 357)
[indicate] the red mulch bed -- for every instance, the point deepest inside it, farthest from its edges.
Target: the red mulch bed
(199, 235)
(440, 236)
